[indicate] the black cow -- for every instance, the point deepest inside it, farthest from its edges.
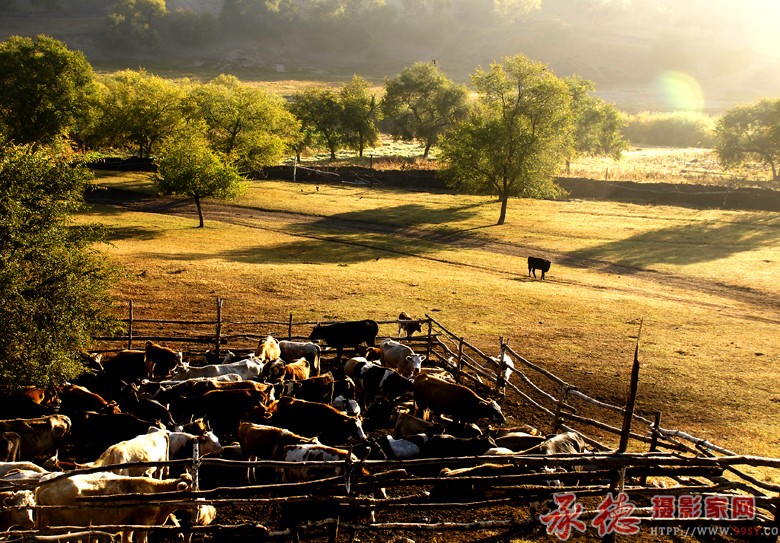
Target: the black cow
(535, 263)
(376, 382)
(349, 333)
(447, 446)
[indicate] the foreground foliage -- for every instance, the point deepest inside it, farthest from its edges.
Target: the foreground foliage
(53, 283)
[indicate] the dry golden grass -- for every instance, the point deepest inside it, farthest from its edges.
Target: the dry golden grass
(703, 281)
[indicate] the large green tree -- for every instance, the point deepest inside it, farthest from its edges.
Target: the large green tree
(597, 124)
(140, 109)
(321, 115)
(517, 138)
(136, 22)
(750, 132)
(421, 103)
(187, 165)
(54, 285)
(43, 89)
(359, 112)
(248, 125)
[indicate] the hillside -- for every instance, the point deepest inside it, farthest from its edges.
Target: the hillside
(639, 59)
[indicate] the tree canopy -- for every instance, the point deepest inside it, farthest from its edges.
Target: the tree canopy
(53, 282)
(44, 88)
(597, 124)
(188, 166)
(140, 109)
(249, 126)
(516, 139)
(321, 115)
(359, 111)
(421, 104)
(750, 132)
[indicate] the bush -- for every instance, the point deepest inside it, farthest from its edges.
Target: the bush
(675, 129)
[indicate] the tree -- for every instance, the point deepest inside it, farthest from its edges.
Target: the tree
(321, 115)
(43, 89)
(515, 141)
(358, 107)
(134, 21)
(597, 124)
(53, 282)
(750, 132)
(141, 109)
(248, 125)
(186, 165)
(421, 104)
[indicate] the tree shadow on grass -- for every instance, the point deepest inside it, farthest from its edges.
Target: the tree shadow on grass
(678, 245)
(138, 233)
(353, 237)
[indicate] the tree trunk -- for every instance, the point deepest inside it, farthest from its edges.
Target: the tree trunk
(200, 211)
(502, 215)
(427, 148)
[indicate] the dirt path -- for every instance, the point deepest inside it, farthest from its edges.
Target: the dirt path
(738, 302)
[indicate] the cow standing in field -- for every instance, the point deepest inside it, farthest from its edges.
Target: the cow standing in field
(535, 263)
(459, 402)
(346, 334)
(293, 350)
(400, 357)
(408, 325)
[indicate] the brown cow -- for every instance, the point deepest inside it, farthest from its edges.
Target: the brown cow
(261, 442)
(39, 435)
(160, 361)
(127, 364)
(68, 491)
(446, 398)
(297, 371)
(75, 398)
(407, 324)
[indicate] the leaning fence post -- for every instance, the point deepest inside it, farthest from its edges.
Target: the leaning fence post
(130, 327)
(289, 328)
(459, 367)
(218, 332)
(430, 339)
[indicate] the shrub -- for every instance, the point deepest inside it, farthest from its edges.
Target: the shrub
(672, 129)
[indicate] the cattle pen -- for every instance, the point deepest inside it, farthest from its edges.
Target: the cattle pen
(637, 476)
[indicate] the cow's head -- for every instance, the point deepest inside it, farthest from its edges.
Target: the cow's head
(493, 410)
(415, 360)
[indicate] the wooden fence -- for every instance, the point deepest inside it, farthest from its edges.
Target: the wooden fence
(500, 505)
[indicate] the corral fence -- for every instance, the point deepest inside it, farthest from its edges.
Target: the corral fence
(639, 474)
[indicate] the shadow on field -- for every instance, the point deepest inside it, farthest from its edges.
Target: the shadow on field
(131, 232)
(356, 236)
(679, 245)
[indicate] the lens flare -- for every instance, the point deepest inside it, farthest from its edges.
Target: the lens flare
(681, 91)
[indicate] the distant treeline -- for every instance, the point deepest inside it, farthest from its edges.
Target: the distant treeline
(678, 129)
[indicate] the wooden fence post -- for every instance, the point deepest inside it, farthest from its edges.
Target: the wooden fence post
(130, 327)
(500, 383)
(218, 332)
(289, 328)
(460, 361)
(430, 339)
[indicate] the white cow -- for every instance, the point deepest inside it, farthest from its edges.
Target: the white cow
(157, 446)
(250, 368)
(400, 357)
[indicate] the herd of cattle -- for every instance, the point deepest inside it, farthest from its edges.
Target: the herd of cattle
(283, 402)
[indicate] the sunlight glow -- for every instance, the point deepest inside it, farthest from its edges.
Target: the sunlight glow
(681, 91)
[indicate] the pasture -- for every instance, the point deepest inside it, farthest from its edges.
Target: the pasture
(703, 282)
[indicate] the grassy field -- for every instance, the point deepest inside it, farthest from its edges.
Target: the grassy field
(703, 282)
